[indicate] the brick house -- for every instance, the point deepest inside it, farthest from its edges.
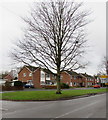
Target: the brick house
(41, 77)
(72, 78)
(77, 80)
(88, 79)
(97, 80)
(8, 77)
(37, 76)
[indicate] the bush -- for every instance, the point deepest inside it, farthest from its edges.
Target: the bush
(64, 85)
(50, 87)
(24, 83)
(18, 83)
(7, 84)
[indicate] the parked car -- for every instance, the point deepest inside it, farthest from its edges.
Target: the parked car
(96, 86)
(28, 85)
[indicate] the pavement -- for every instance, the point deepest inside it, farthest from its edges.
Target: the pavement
(87, 107)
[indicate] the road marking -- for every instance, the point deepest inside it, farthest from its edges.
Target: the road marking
(76, 110)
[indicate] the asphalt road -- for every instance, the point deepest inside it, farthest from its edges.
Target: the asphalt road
(87, 107)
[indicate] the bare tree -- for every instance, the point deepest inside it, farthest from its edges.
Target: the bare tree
(54, 37)
(103, 67)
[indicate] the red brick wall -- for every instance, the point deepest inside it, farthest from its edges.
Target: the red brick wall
(52, 77)
(36, 78)
(90, 81)
(65, 78)
(77, 80)
(96, 81)
(8, 77)
(21, 76)
(84, 81)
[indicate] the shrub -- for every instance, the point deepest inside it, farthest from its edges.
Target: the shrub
(50, 87)
(64, 85)
(18, 83)
(24, 83)
(7, 84)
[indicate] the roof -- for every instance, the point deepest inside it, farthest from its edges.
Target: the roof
(32, 68)
(47, 71)
(8, 76)
(86, 75)
(73, 73)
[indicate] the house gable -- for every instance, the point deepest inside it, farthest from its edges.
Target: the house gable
(65, 77)
(8, 77)
(24, 74)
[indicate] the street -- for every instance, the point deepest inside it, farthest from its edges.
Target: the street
(87, 107)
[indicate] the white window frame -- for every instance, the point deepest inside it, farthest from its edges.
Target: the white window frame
(24, 74)
(42, 83)
(74, 83)
(30, 74)
(30, 81)
(61, 76)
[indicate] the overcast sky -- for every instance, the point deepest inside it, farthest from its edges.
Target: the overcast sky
(11, 26)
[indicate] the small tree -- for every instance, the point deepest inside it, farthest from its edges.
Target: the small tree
(54, 38)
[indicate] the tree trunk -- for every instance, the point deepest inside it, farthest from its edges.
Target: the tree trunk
(58, 83)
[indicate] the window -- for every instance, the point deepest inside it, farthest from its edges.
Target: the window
(70, 83)
(61, 77)
(53, 77)
(89, 83)
(43, 75)
(24, 74)
(74, 83)
(48, 82)
(29, 81)
(30, 74)
(42, 83)
(48, 75)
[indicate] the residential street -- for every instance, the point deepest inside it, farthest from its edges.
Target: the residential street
(87, 107)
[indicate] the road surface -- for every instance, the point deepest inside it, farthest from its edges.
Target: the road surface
(87, 107)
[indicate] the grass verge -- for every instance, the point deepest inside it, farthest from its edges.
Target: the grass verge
(47, 95)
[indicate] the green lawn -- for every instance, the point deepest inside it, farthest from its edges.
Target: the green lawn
(47, 95)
